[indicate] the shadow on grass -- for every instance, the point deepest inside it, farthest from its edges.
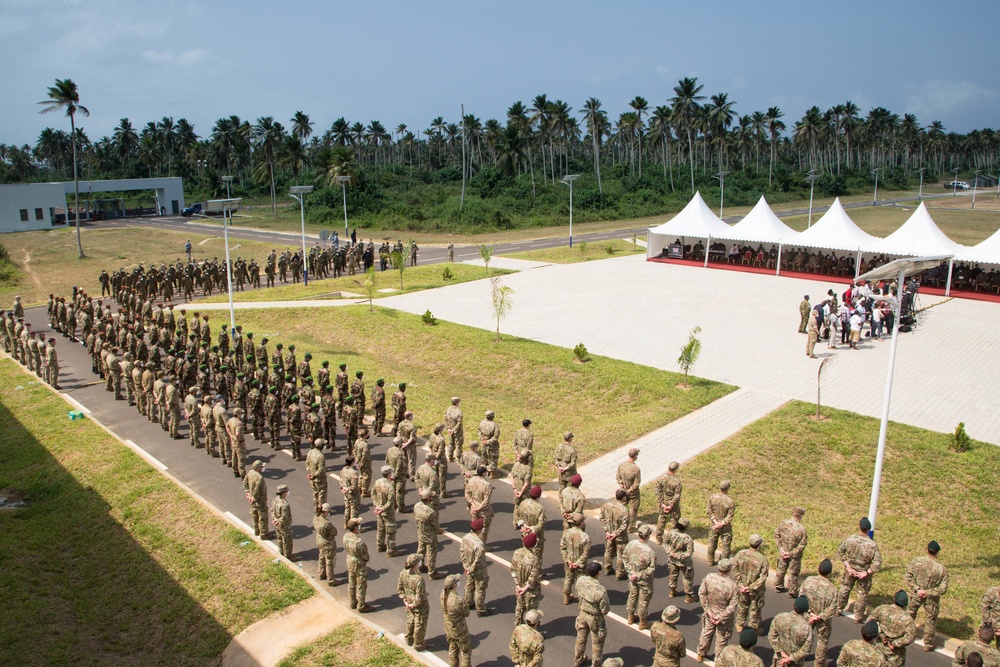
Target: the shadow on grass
(77, 587)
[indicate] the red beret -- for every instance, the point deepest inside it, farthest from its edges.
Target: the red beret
(477, 524)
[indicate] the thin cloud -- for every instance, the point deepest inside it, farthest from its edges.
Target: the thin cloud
(184, 59)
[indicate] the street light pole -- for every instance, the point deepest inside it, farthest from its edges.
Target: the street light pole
(954, 183)
(975, 184)
(343, 186)
(227, 206)
(228, 180)
(721, 177)
(875, 196)
(298, 193)
(568, 180)
(812, 177)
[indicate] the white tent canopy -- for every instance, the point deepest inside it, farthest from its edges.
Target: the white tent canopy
(987, 252)
(760, 225)
(919, 236)
(696, 220)
(835, 230)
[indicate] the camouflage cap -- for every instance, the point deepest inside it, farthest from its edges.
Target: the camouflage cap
(613, 662)
(724, 485)
(386, 470)
(258, 465)
(756, 540)
(353, 523)
(725, 565)
(533, 617)
(577, 518)
(683, 522)
(568, 435)
(282, 488)
(674, 465)
(325, 507)
(671, 615)
(413, 560)
(644, 531)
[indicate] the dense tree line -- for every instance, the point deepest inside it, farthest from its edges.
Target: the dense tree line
(650, 151)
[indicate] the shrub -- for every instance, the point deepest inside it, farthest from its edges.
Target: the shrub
(428, 319)
(960, 441)
(447, 274)
(580, 351)
(610, 249)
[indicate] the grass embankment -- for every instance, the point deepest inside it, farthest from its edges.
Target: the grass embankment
(962, 226)
(928, 492)
(605, 402)
(111, 563)
(351, 645)
(583, 252)
(415, 278)
(47, 261)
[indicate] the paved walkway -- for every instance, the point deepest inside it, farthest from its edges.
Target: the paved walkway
(680, 440)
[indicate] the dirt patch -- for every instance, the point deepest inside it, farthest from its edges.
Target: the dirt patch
(12, 500)
(27, 267)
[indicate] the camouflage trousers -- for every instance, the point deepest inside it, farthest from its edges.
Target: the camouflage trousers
(351, 508)
(258, 519)
(238, 458)
(357, 584)
(379, 421)
(427, 548)
(475, 589)
(284, 534)
(821, 631)
(932, 605)
(225, 447)
(666, 521)
(194, 426)
(594, 626)
(525, 603)
(722, 538)
(748, 608)
(319, 491)
(721, 633)
(640, 592)
(385, 532)
(570, 578)
(459, 650)
(399, 486)
(416, 626)
(327, 562)
(864, 586)
(613, 552)
(791, 567)
(683, 571)
(455, 443)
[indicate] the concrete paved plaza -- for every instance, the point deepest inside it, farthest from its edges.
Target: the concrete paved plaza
(642, 311)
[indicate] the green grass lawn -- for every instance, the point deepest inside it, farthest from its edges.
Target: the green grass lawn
(605, 402)
(111, 563)
(47, 261)
(581, 252)
(928, 492)
(351, 645)
(415, 278)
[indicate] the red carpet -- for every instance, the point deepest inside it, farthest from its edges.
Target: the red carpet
(819, 277)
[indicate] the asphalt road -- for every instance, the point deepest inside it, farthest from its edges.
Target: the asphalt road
(491, 635)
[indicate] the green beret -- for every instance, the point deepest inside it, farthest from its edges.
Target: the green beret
(343, 367)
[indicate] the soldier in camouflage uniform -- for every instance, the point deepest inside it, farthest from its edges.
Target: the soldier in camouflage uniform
(668, 643)
(480, 495)
(574, 547)
(862, 652)
(572, 500)
(527, 574)
(668, 499)
(526, 643)
(718, 595)
(520, 477)
(989, 607)
(791, 635)
(629, 479)
(358, 392)
(426, 515)
(378, 407)
(255, 400)
(427, 481)
(471, 461)
(524, 440)
(221, 417)
(281, 517)
(293, 417)
(473, 554)
(927, 580)
(357, 567)
(614, 522)
(350, 486)
(720, 518)
(823, 606)
(565, 460)
(896, 630)
(412, 590)
(394, 459)
(328, 406)
(680, 552)
(208, 423)
(192, 412)
(456, 431)
(980, 644)
(237, 440)
(272, 408)
(791, 538)
(750, 572)
(530, 517)
(640, 566)
(407, 432)
(255, 489)
(742, 655)
(398, 407)
(862, 560)
(594, 606)
(316, 473)
(363, 459)
(436, 444)
(489, 442)
(349, 420)
(384, 508)
(326, 542)
(455, 609)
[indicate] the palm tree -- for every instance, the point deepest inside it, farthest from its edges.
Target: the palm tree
(302, 127)
(660, 133)
(596, 121)
(641, 107)
(126, 140)
(720, 118)
(774, 128)
(501, 301)
(269, 135)
(685, 102)
(64, 95)
(341, 163)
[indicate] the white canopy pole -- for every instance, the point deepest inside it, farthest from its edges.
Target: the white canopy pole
(707, 247)
(777, 265)
(857, 266)
(947, 288)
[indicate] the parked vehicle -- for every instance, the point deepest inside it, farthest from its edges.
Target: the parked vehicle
(956, 185)
(193, 209)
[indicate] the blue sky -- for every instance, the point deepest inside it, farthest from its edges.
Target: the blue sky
(407, 62)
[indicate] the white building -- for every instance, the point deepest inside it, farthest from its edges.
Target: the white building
(29, 206)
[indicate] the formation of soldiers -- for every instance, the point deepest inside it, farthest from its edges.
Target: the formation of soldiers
(30, 348)
(173, 369)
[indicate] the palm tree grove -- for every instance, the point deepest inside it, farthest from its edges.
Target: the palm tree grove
(648, 161)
